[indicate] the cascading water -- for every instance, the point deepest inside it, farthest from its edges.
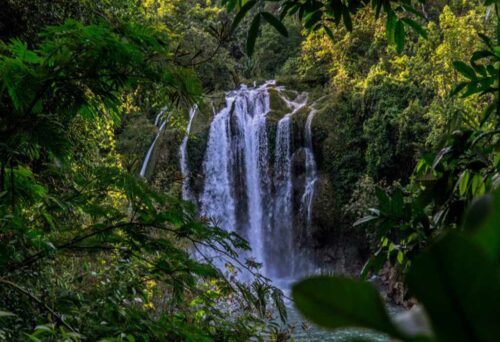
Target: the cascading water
(281, 229)
(161, 125)
(250, 133)
(243, 192)
(236, 166)
(283, 206)
(186, 189)
(217, 202)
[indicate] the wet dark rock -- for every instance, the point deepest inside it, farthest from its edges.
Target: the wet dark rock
(299, 162)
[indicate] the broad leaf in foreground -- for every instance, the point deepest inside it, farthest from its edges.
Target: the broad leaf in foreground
(334, 302)
(458, 286)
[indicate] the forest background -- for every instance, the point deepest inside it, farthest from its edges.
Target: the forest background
(89, 249)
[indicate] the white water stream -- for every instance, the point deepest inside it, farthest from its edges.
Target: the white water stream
(186, 189)
(160, 123)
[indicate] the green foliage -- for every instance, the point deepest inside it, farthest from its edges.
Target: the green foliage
(24, 19)
(400, 97)
(243, 10)
(201, 39)
(84, 67)
(387, 147)
(274, 50)
(382, 111)
(88, 250)
(481, 78)
(443, 185)
(317, 14)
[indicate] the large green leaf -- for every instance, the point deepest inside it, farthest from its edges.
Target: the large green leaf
(276, 23)
(346, 17)
(334, 302)
(415, 26)
(391, 26)
(252, 34)
(459, 288)
(464, 69)
(399, 36)
(488, 236)
(241, 14)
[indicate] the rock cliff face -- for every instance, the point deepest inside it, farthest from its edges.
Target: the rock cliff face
(326, 241)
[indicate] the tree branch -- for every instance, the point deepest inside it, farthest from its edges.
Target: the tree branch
(38, 301)
(42, 254)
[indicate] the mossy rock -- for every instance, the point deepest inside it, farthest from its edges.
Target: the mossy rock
(164, 169)
(278, 106)
(214, 101)
(298, 125)
(290, 94)
(324, 218)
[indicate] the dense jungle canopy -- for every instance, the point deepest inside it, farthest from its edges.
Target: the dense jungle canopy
(383, 114)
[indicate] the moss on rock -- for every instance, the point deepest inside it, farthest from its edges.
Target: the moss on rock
(278, 106)
(134, 141)
(165, 168)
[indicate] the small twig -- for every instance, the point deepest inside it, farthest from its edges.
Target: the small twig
(38, 301)
(37, 256)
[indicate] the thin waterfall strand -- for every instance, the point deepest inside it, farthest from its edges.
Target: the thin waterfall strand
(283, 197)
(161, 125)
(187, 195)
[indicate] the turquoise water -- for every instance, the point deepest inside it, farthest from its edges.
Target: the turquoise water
(303, 331)
(346, 335)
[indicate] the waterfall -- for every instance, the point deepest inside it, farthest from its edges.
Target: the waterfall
(186, 190)
(161, 125)
(243, 192)
(236, 165)
(311, 172)
(158, 117)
